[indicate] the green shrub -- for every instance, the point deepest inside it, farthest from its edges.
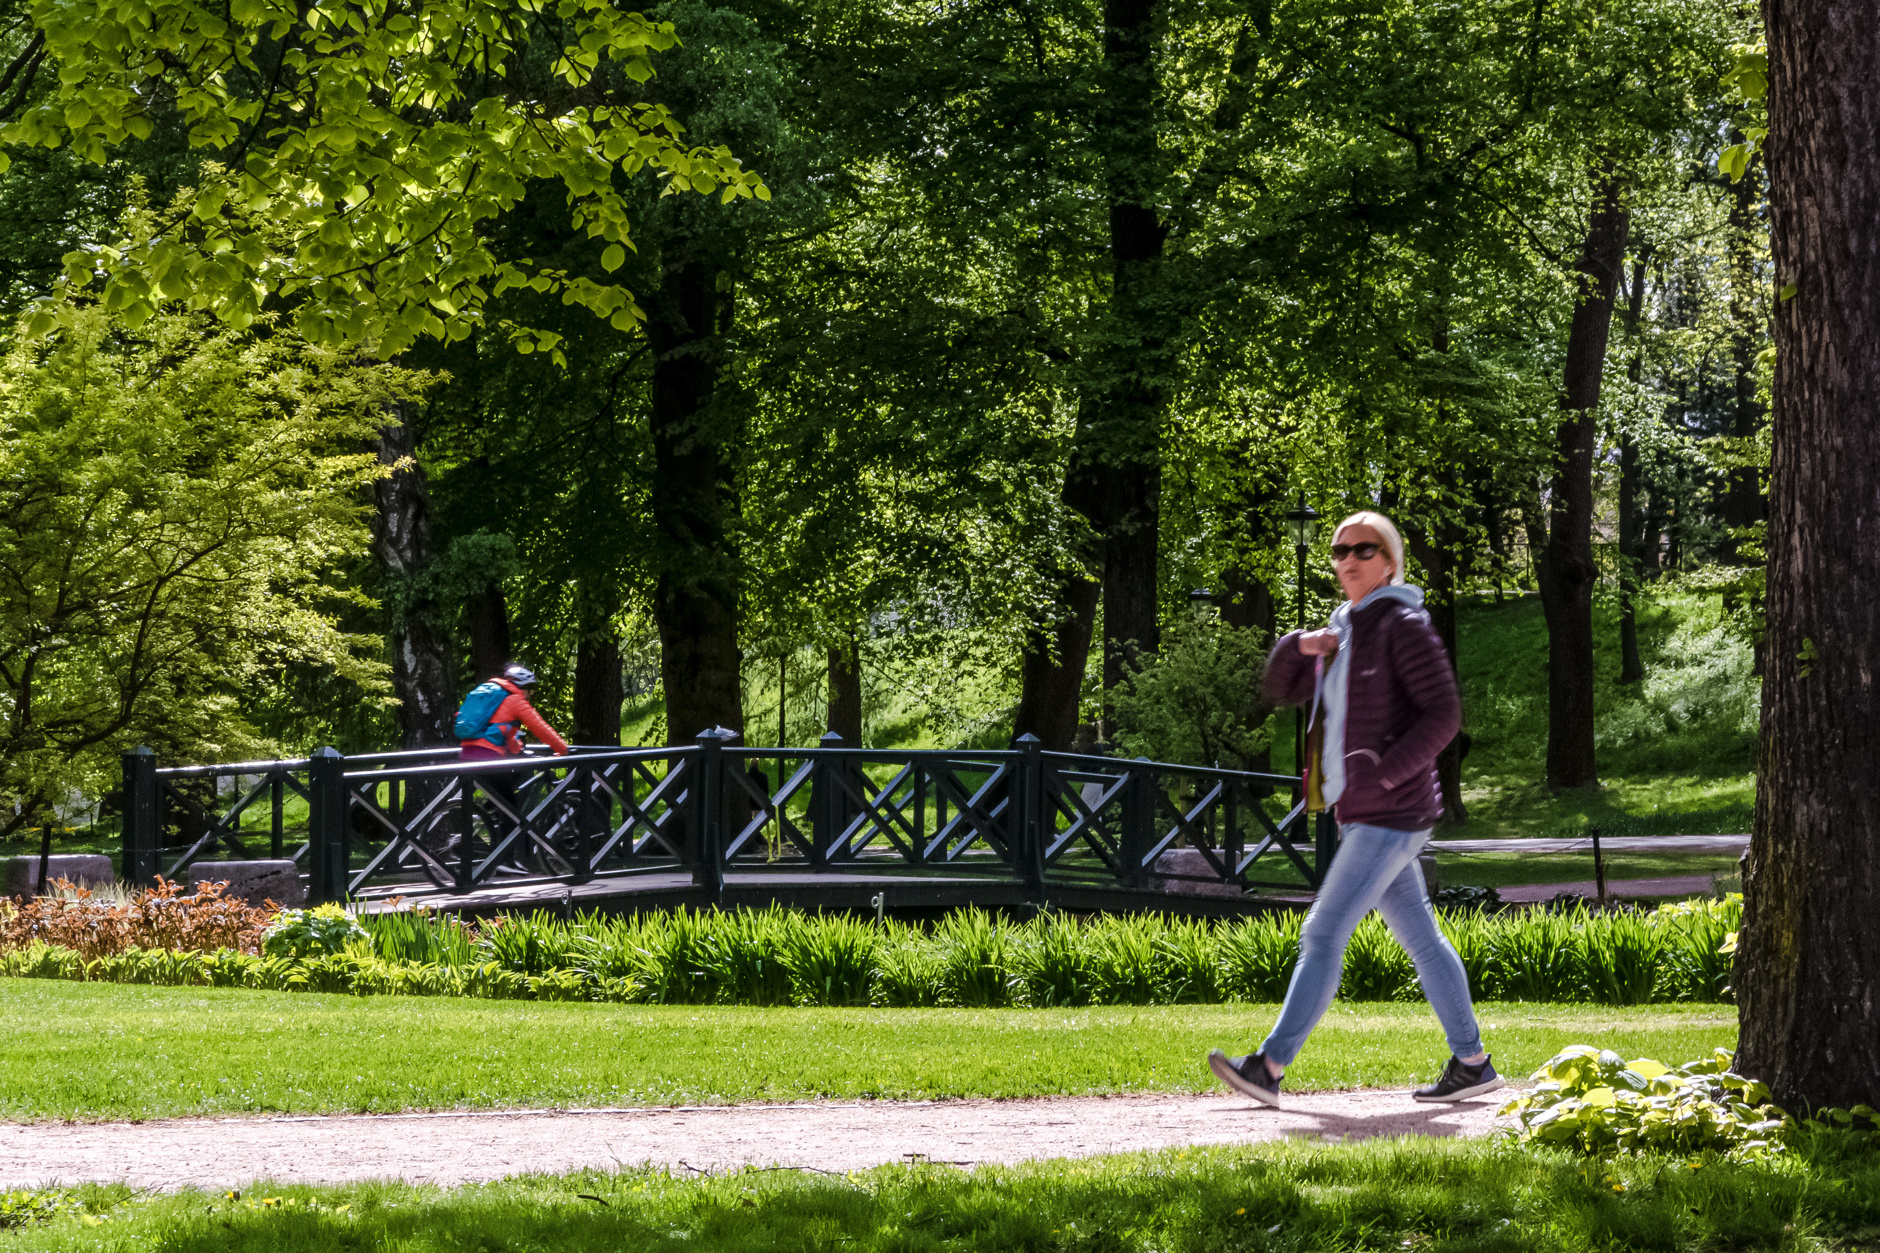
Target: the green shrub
(529, 945)
(1051, 964)
(1620, 956)
(420, 935)
(1697, 963)
(1188, 968)
(833, 962)
(975, 960)
(1124, 960)
(1537, 957)
(1257, 956)
(324, 929)
(909, 971)
(970, 958)
(1376, 966)
(1596, 1101)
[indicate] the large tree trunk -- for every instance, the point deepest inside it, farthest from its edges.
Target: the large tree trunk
(1566, 571)
(423, 677)
(488, 616)
(1808, 960)
(695, 602)
(1631, 668)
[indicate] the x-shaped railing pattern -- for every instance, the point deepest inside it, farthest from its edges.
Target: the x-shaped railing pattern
(380, 821)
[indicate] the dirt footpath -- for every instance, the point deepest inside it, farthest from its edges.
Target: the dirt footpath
(463, 1148)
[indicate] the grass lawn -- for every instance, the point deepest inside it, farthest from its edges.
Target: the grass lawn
(105, 1051)
(1497, 870)
(1431, 1196)
(1676, 752)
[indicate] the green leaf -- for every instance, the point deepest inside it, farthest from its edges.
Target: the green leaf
(613, 258)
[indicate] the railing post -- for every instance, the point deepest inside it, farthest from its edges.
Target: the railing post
(708, 820)
(326, 827)
(1138, 821)
(140, 837)
(825, 799)
(1325, 844)
(1028, 812)
(587, 796)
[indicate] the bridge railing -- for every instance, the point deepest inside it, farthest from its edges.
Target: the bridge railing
(412, 823)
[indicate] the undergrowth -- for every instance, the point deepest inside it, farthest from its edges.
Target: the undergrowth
(970, 959)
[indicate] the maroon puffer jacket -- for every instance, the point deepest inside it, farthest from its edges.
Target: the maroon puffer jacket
(1401, 710)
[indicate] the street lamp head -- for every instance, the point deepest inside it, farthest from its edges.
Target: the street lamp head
(1200, 601)
(1302, 522)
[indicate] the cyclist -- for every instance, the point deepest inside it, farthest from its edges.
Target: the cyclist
(489, 726)
(493, 714)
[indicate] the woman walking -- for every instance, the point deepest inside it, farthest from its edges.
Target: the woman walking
(1383, 704)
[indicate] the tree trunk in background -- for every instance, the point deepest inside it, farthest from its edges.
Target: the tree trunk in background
(695, 602)
(1566, 569)
(1246, 602)
(1056, 655)
(1631, 668)
(423, 677)
(1118, 450)
(1743, 504)
(845, 693)
(599, 684)
(488, 617)
(1438, 555)
(1808, 960)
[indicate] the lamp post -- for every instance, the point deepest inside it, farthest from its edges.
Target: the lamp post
(1200, 602)
(1302, 522)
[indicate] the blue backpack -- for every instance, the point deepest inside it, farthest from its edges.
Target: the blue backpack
(473, 719)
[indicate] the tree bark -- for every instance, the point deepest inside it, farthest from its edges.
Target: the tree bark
(1631, 668)
(696, 599)
(1566, 571)
(423, 678)
(488, 615)
(845, 693)
(1808, 962)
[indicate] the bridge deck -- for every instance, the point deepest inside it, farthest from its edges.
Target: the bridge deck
(902, 894)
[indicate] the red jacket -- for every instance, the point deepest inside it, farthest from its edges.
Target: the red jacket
(515, 710)
(1401, 710)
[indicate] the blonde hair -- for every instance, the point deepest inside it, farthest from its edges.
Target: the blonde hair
(1393, 542)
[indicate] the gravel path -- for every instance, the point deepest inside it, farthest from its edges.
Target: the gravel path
(462, 1148)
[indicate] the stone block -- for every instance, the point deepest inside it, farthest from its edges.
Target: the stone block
(1426, 862)
(1192, 861)
(87, 870)
(255, 881)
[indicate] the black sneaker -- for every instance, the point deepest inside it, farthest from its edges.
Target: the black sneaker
(1246, 1075)
(1461, 1081)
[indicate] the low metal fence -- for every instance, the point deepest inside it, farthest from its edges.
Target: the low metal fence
(422, 822)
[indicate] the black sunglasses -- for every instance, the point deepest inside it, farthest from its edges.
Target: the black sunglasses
(1363, 552)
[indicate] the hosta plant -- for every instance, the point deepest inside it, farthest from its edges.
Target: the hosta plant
(1596, 1101)
(322, 930)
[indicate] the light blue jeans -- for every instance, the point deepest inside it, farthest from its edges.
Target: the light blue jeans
(1376, 868)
